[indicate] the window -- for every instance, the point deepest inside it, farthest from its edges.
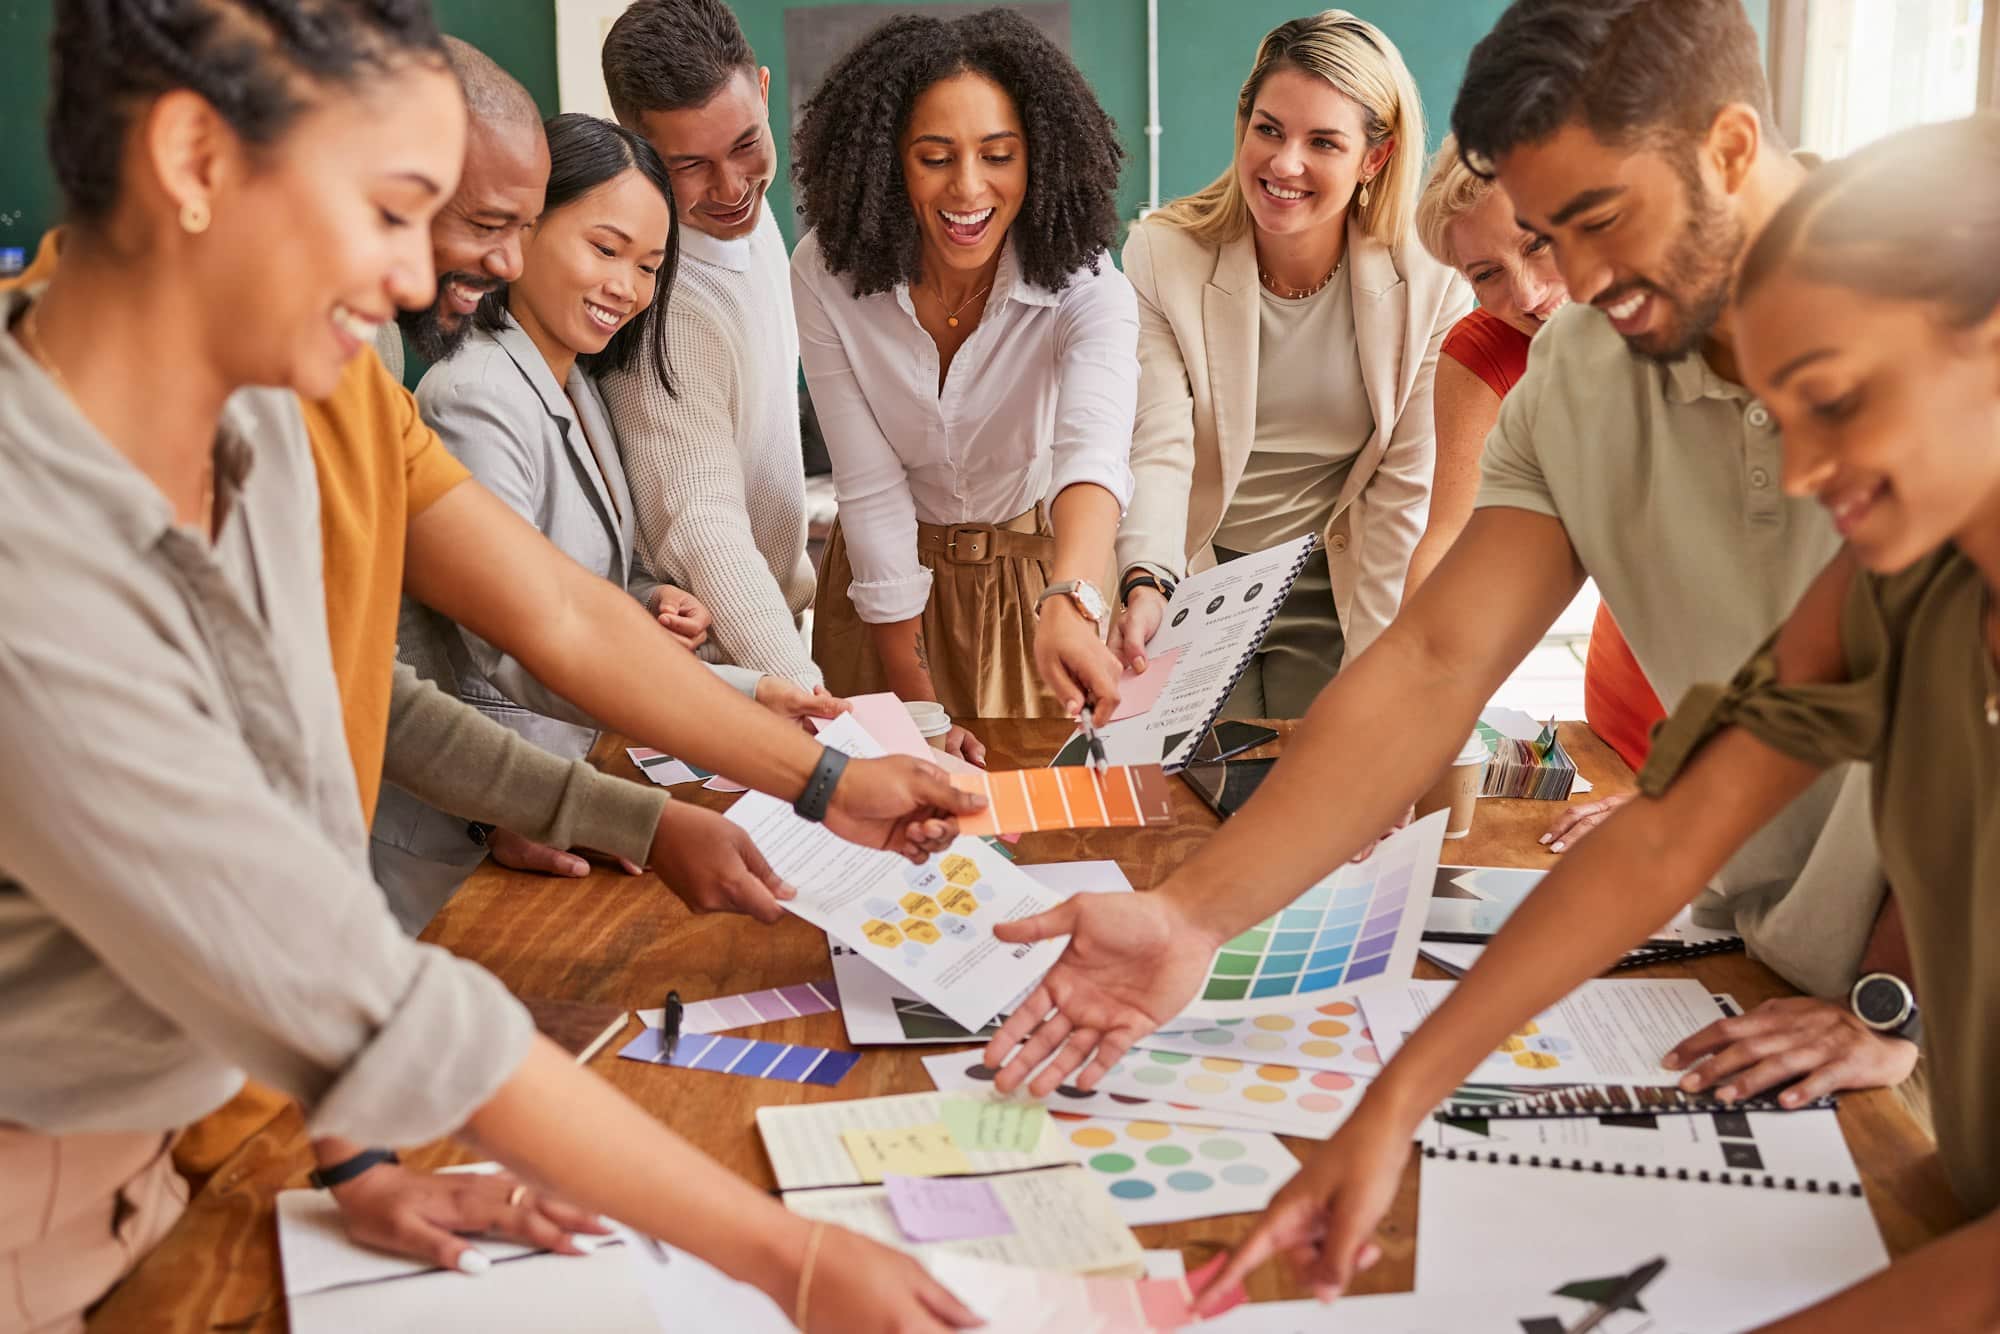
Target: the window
(1847, 72)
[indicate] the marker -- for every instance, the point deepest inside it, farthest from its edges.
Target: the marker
(670, 1029)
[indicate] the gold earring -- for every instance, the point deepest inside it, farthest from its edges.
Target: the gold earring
(1361, 198)
(194, 217)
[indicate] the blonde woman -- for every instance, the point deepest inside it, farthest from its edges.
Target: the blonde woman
(1467, 222)
(1289, 328)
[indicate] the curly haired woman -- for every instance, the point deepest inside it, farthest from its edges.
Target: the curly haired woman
(971, 353)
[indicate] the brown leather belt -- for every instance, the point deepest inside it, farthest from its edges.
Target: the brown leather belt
(983, 543)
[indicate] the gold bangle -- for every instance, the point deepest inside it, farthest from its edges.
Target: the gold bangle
(806, 1274)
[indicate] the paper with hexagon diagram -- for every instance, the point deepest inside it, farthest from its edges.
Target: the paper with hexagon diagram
(930, 927)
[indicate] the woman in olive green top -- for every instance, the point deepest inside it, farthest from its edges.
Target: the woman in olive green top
(1869, 321)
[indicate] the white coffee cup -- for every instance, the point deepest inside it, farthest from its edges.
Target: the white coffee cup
(933, 723)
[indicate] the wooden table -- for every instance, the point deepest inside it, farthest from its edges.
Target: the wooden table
(613, 939)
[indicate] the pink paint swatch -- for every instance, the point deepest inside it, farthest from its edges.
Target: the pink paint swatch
(1138, 694)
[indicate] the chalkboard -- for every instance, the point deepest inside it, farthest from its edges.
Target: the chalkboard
(818, 36)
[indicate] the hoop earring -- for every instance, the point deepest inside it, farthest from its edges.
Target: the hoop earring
(1361, 196)
(194, 217)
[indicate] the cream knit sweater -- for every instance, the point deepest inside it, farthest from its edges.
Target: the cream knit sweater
(715, 470)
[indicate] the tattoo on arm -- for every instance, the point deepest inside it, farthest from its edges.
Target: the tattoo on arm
(923, 656)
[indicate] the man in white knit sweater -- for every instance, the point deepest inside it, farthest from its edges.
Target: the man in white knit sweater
(715, 470)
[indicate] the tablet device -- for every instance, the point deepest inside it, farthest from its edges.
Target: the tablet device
(1227, 785)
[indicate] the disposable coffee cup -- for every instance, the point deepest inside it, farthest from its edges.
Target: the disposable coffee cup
(1457, 789)
(933, 723)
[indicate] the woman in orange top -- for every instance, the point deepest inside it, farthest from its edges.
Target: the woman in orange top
(1466, 222)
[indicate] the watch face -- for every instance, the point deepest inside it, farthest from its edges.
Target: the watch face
(1091, 601)
(1881, 1001)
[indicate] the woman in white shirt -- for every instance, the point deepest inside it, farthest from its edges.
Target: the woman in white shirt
(1289, 328)
(971, 354)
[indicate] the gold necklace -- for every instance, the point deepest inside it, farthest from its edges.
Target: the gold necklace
(31, 340)
(950, 315)
(1299, 294)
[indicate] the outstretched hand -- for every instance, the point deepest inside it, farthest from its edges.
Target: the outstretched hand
(900, 803)
(1133, 962)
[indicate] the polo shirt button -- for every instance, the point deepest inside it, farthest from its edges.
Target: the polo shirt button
(1759, 478)
(1337, 543)
(1759, 416)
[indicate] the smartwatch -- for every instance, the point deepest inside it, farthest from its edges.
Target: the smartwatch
(818, 794)
(325, 1178)
(1886, 1004)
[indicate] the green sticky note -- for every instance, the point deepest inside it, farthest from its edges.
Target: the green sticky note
(982, 1127)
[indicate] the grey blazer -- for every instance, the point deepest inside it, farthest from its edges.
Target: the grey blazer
(553, 458)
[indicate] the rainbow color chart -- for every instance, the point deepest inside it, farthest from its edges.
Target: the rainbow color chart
(1353, 931)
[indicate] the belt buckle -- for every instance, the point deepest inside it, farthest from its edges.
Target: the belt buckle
(969, 544)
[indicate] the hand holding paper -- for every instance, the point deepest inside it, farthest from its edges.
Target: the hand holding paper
(1023, 801)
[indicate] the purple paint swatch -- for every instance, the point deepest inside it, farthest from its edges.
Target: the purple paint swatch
(946, 1208)
(742, 1056)
(759, 1007)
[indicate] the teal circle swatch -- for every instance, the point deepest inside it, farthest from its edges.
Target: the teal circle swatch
(1222, 1150)
(1132, 1188)
(1148, 1074)
(1113, 1163)
(1168, 1155)
(1245, 1174)
(1170, 1057)
(1214, 1037)
(1190, 1181)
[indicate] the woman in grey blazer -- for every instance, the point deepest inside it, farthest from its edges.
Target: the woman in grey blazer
(518, 404)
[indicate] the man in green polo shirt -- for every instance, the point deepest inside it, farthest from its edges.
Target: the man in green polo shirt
(1637, 136)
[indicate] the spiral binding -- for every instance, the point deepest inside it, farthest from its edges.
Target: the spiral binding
(1760, 1180)
(1647, 955)
(1615, 1100)
(1243, 664)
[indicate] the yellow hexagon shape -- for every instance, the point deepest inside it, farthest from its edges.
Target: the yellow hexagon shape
(881, 933)
(1536, 1060)
(917, 929)
(920, 905)
(960, 870)
(960, 901)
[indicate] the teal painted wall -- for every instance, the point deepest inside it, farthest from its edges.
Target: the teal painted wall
(1206, 47)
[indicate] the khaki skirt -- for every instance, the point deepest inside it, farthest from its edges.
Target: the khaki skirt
(978, 627)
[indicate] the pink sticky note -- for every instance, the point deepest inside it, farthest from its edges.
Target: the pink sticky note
(884, 718)
(1137, 694)
(946, 1208)
(720, 784)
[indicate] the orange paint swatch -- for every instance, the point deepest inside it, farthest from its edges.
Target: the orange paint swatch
(1023, 801)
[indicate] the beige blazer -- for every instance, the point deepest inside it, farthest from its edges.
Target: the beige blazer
(1197, 415)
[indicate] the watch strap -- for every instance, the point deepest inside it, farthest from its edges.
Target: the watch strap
(818, 794)
(325, 1178)
(1140, 577)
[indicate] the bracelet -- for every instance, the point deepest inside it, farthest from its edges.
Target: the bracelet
(806, 1274)
(818, 794)
(1143, 578)
(325, 1178)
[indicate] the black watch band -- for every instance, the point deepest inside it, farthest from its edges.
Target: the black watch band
(325, 1178)
(1143, 578)
(818, 795)
(478, 832)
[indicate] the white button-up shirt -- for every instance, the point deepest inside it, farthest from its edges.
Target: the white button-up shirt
(1039, 398)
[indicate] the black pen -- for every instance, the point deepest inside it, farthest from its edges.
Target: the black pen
(670, 1028)
(1624, 1295)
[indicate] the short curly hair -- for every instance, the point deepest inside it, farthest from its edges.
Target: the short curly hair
(850, 174)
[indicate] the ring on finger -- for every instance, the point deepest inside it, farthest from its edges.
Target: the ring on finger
(515, 1196)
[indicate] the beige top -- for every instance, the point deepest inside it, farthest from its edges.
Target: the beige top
(1914, 706)
(715, 467)
(1199, 346)
(1313, 418)
(183, 887)
(1666, 479)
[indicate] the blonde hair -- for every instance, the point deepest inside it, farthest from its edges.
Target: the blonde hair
(1360, 62)
(1452, 191)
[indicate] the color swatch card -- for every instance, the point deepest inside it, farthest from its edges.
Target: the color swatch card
(741, 1056)
(1054, 1218)
(1332, 1036)
(1354, 931)
(808, 1148)
(1161, 1172)
(664, 769)
(878, 1009)
(751, 1007)
(1310, 1103)
(1604, 1032)
(1736, 1258)
(929, 927)
(1138, 692)
(1025, 801)
(962, 1072)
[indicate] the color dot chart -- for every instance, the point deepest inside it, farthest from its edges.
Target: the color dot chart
(1355, 930)
(1161, 1173)
(1333, 1036)
(961, 1072)
(1311, 1103)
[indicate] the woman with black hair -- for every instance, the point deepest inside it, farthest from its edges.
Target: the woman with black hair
(518, 403)
(972, 356)
(184, 895)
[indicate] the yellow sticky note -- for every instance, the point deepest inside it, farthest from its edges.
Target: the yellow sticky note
(916, 1151)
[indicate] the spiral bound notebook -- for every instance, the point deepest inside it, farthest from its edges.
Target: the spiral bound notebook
(1504, 1102)
(1211, 631)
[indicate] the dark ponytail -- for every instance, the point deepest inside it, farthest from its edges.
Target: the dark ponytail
(1913, 217)
(254, 61)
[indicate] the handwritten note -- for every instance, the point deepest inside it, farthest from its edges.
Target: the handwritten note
(916, 1151)
(946, 1209)
(980, 1126)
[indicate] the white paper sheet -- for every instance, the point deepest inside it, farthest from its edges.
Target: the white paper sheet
(880, 1011)
(1736, 1257)
(804, 1146)
(1424, 1313)
(1604, 1032)
(931, 926)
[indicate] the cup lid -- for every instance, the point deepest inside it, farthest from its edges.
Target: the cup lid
(1473, 751)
